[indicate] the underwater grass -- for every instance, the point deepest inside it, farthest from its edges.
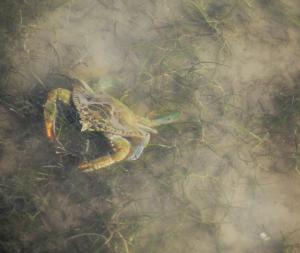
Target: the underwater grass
(282, 125)
(172, 70)
(173, 63)
(27, 192)
(281, 12)
(18, 212)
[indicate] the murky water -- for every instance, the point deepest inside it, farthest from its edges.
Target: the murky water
(223, 178)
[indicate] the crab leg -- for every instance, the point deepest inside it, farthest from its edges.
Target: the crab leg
(150, 123)
(171, 118)
(121, 148)
(138, 150)
(50, 109)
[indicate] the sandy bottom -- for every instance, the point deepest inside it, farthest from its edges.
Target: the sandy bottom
(224, 178)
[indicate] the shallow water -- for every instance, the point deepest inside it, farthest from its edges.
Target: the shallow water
(224, 178)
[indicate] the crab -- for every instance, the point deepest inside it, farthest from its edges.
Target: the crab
(128, 133)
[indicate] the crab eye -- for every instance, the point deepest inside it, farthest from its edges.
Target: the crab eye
(88, 97)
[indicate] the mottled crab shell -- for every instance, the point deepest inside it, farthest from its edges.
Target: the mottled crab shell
(102, 113)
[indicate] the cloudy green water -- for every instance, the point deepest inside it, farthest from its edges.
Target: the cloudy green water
(224, 178)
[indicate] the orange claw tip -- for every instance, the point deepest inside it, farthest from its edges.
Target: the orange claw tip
(85, 167)
(49, 131)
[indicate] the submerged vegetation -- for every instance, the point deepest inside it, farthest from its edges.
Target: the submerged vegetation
(283, 127)
(178, 190)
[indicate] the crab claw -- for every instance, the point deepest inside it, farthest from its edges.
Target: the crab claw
(49, 126)
(50, 109)
(121, 148)
(49, 119)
